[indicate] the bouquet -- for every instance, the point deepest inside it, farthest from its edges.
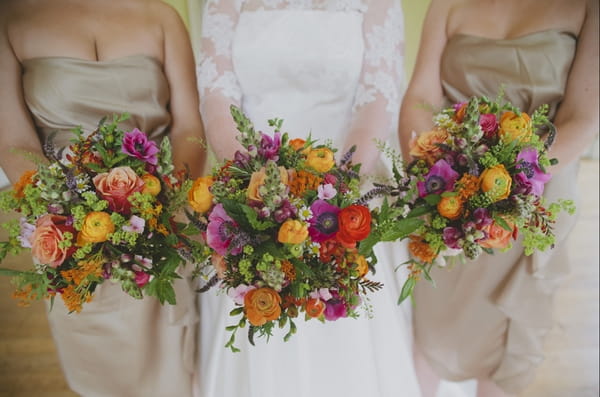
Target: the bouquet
(102, 211)
(476, 182)
(284, 231)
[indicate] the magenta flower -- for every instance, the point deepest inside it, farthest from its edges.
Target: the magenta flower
(335, 308)
(441, 178)
(527, 162)
(136, 144)
(324, 221)
(141, 278)
(482, 218)
(220, 231)
(452, 236)
(284, 212)
(269, 147)
(489, 124)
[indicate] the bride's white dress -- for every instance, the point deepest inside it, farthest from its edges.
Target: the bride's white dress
(332, 69)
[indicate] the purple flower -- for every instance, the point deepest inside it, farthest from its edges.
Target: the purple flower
(482, 218)
(241, 159)
(286, 211)
(136, 144)
(324, 221)
(452, 236)
(136, 225)
(220, 231)
(527, 162)
(141, 278)
(326, 191)
(489, 124)
(330, 178)
(27, 230)
(335, 308)
(441, 178)
(269, 147)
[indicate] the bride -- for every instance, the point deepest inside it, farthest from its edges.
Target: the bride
(332, 68)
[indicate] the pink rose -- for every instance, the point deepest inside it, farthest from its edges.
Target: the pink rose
(45, 240)
(116, 186)
(489, 124)
(141, 278)
(497, 236)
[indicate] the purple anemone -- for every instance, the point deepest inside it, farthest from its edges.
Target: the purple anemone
(441, 178)
(535, 178)
(324, 221)
(220, 231)
(136, 144)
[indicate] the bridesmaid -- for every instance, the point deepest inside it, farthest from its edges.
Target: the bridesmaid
(487, 319)
(71, 62)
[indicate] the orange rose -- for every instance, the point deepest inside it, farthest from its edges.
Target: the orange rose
(116, 186)
(450, 207)
(97, 226)
(262, 305)
(46, 240)
(426, 145)
(354, 224)
(199, 196)
(314, 308)
(25, 179)
(257, 180)
(320, 159)
(497, 181)
(515, 128)
(498, 237)
(151, 184)
(292, 232)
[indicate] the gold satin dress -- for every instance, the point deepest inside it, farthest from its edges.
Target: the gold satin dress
(488, 317)
(117, 346)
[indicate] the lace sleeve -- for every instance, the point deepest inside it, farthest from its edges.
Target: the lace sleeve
(217, 82)
(377, 100)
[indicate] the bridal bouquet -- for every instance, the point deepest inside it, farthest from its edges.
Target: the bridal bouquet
(477, 181)
(103, 212)
(284, 231)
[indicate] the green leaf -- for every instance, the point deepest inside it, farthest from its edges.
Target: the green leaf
(418, 211)
(11, 272)
(366, 246)
(500, 221)
(401, 229)
(237, 213)
(302, 267)
(432, 199)
(252, 217)
(407, 289)
(162, 290)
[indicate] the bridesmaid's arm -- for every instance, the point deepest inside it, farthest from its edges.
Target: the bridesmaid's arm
(425, 88)
(17, 132)
(186, 127)
(577, 117)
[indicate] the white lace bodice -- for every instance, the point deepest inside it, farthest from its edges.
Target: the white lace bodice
(334, 66)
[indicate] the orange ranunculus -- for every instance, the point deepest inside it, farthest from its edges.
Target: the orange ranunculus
(262, 305)
(25, 179)
(292, 231)
(497, 181)
(45, 240)
(450, 207)
(426, 145)
(320, 159)
(498, 237)
(97, 226)
(151, 184)
(459, 115)
(297, 143)
(354, 224)
(199, 196)
(515, 128)
(314, 307)
(117, 185)
(420, 250)
(362, 266)
(257, 180)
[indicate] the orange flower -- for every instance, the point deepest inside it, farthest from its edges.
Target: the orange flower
(262, 305)
(497, 181)
(289, 270)
(73, 300)
(47, 238)
(97, 226)
(426, 145)
(468, 185)
(292, 231)
(297, 144)
(498, 237)
(151, 184)
(320, 159)
(303, 181)
(515, 128)
(199, 196)
(314, 308)
(362, 266)
(420, 250)
(257, 180)
(25, 296)
(354, 224)
(460, 112)
(450, 207)
(25, 179)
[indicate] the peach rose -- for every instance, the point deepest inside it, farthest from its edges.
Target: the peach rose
(199, 196)
(320, 159)
(46, 240)
(425, 146)
(151, 184)
(450, 207)
(498, 237)
(292, 232)
(262, 305)
(497, 181)
(515, 128)
(117, 185)
(257, 179)
(97, 226)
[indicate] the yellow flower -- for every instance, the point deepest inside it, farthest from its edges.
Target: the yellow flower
(362, 266)
(151, 184)
(97, 226)
(496, 181)
(292, 232)
(320, 159)
(515, 128)
(199, 196)
(450, 207)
